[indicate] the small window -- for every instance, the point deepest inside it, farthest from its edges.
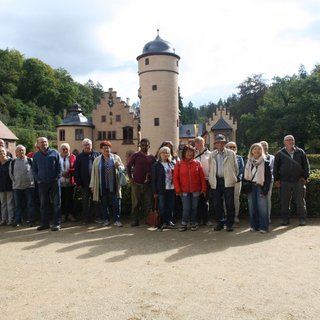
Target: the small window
(79, 134)
(118, 118)
(102, 135)
(62, 135)
(103, 118)
(154, 87)
(156, 122)
(146, 61)
(111, 135)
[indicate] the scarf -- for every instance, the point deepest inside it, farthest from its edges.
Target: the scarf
(252, 166)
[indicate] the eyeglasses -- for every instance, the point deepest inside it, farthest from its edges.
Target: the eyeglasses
(232, 147)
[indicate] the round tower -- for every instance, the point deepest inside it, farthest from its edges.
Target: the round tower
(158, 69)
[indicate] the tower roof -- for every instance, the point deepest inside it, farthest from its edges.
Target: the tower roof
(158, 46)
(221, 124)
(75, 117)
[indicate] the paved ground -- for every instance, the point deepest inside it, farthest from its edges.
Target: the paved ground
(137, 273)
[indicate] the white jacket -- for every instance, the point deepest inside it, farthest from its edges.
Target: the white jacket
(230, 168)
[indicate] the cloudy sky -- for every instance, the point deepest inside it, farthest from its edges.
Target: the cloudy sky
(220, 43)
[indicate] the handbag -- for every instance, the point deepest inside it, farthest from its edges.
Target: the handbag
(122, 178)
(247, 185)
(153, 217)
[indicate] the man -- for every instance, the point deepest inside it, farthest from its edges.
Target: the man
(291, 171)
(82, 175)
(237, 187)
(23, 186)
(270, 158)
(47, 172)
(141, 188)
(223, 171)
(203, 156)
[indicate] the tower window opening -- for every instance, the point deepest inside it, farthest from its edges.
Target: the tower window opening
(154, 87)
(156, 122)
(147, 61)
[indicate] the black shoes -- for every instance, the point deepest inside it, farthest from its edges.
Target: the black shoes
(40, 228)
(218, 227)
(285, 222)
(302, 222)
(229, 229)
(135, 223)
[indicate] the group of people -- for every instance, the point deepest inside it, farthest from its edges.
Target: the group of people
(200, 186)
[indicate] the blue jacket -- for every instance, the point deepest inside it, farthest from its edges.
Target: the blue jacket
(47, 166)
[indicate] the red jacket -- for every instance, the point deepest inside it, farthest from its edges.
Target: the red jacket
(189, 177)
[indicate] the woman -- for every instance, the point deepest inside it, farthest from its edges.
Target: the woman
(67, 182)
(189, 182)
(105, 183)
(163, 188)
(257, 170)
(6, 194)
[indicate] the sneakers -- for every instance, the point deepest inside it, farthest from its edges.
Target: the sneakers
(236, 220)
(194, 227)
(105, 223)
(40, 228)
(3, 223)
(252, 230)
(55, 228)
(263, 231)
(15, 224)
(229, 229)
(209, 224)
(183, 228)
(118, 224)
(218, 227)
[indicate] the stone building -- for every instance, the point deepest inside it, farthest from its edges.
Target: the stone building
(158, 69)
(221, 123)
(9, 138)
(112, 119)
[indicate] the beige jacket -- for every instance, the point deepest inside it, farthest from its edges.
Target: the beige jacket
(95, 177)
(230, 169)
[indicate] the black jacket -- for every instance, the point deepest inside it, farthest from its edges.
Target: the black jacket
(159, 177)
(81, 168)
(288, 169)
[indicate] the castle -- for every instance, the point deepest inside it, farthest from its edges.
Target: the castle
(157, 118)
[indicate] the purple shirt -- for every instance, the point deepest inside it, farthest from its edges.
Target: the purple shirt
(141, 164)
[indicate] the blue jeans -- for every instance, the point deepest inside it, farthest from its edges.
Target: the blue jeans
(24, 199)
(166, 204)
(189, 207)
(220, 194)
(258, 209)
(50, 192)
(110, 198)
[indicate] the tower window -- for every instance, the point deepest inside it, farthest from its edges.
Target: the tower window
(62, 135)
(156, 122)
(103, 118)
(79, 134)
(146, 61)
(154, 87)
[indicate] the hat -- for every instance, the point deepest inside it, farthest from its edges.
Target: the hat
(220, 138)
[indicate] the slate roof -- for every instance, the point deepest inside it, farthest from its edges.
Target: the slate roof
(6, 133)
(221, 124)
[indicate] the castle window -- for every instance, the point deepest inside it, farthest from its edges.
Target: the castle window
(102, 135)
(118, 118)
(112, 135)
(154, 87)
(103, 118)
(79, 134)
(156, 122)
(127, 133)
(62, 135)
(146, 61)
